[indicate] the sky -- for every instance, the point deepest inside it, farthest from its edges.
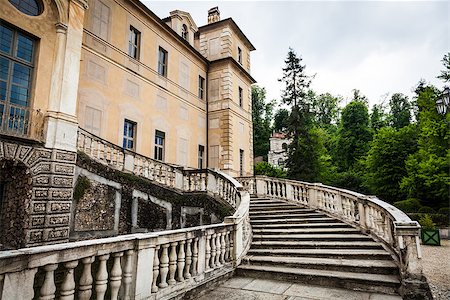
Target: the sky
(378, 47)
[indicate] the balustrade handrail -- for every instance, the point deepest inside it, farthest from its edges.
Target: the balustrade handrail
(21, 121)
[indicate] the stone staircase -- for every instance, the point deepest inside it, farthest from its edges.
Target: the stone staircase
(291, 242)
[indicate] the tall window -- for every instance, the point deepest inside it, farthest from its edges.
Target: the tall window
(93, 120)
(100, 19)
(201, 87)
(159, 145)
(184, 32)
(162, 62)
(134, 41)
(129, 135)
(214, 156)
(241, 162)
(241, 97)
(201, 156)
(240, 55)
(16, 72)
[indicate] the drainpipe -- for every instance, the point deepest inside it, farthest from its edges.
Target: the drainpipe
(207, 115)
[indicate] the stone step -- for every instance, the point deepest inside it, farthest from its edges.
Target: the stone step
(380, 283)
(272, 244)
(379, 254)
(310, 237)
(301, 225)
(272, 205)
(289, 230)
(287, 216)
(281, 211)
(294, 220)
(260, 200)
(387, 267)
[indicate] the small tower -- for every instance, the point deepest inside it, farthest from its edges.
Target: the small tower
(213, 15)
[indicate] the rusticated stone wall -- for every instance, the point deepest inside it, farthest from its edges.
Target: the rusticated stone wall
(51, 174)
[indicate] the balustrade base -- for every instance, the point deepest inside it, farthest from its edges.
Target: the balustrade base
(415, 289)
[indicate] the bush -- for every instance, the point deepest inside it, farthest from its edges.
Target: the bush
(426, 222)
(444, 211)
(427, 210)
(264, 168)
(440, 220)
(409, 206)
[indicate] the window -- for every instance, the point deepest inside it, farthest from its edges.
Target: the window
(16, 72)
(281, 162)
(129, 135)
(93, 120)
(184, 32)
(201, 156)
(284, 146)
(162, 62)
(134, 43)
(100, 20)
(241, 162)
(240, 97)
(28, 7)
(240, 55)
(159, 145)
(214, 156)
(201, 87)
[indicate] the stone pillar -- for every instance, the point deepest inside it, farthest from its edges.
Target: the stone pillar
(144, 266)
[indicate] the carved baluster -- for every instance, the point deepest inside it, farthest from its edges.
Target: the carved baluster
(223, 248)
(155, 269)
(101, 279)
(213, 251)
(172, 263)
(187, 270)
(181, 261)
(48, 288)
(164, 269)
(116, 276)
(68, 284)
(227, 238)
(207, 251)
(218, 250)
(127, 273)
(195, 257)
(231, 246)
(85, 288)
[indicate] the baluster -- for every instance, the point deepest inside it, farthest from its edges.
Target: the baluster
(101, 279)
(155, 269)
(127, 273)
(227, 243)
(48, 288)
(116, 276)
(213, 251)
(181, 261)
(164, 269)
(195, 257)
(231, 246)
(68, 284)
(223, 248)
(187, 270)
(172, 263)
(207, 251)
(85, 288)
(218, 250)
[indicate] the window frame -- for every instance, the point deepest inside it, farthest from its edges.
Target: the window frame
(39, 4)
(159, 149)
(241, 96)
(127, 138)
(184, 32)
(201, 87)
(100, 20)
(134, 46)
(201, 156)
(239, 55)
(241, 162)
(162, 65)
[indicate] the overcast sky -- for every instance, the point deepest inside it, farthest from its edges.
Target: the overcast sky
(377, 47)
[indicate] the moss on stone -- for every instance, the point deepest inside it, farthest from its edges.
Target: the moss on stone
(81, 186)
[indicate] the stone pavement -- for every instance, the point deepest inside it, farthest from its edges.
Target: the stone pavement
(244, 288)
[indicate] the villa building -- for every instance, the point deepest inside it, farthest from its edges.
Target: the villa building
(277, 155)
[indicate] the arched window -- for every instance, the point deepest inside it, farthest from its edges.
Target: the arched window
(280, 162)
(28, 7)
(184, 32)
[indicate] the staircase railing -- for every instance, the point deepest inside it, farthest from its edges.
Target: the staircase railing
(372, 215)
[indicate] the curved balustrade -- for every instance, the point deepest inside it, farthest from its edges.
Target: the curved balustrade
(384, 221)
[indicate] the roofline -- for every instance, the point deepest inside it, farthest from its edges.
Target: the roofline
(231, 21)
(236, 64)
(158, 20)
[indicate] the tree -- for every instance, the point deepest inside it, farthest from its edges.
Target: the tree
(281, 120)
(445, 74)
(400, 111)
(377, 117)
(385, 161)
(262, 113)
(358, 97)
(354, 135)
(326, 109)
(264, 168)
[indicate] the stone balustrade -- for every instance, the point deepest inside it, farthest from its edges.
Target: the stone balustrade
(138, 266)
(383, 221)
(23, 122)
(215, 183)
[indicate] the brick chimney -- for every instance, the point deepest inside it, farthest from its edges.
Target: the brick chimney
(213, 15)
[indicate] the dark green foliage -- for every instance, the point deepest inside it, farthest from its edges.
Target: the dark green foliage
(81, 186)
(400, 111)
(264, 168)
(262, 114)
(427, 222)
(377, 117)
(410, 205)
(326, 109)
(427, 210)
(445, 74)
(385, 161)
(281, 120)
